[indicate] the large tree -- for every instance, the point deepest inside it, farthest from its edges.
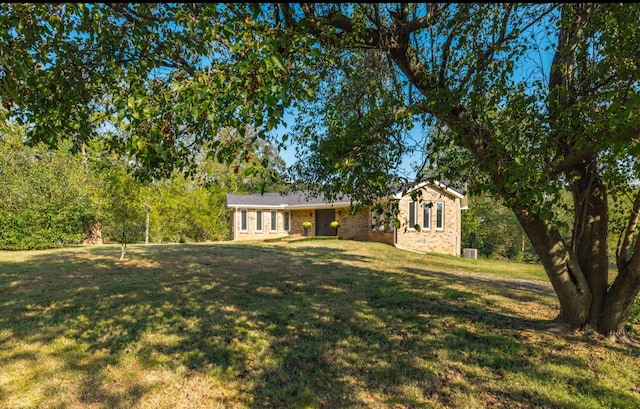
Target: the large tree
(176, 74)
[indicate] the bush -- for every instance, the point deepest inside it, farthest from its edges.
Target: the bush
(44, 199)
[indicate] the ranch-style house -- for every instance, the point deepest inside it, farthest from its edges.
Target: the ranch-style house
(430, 224)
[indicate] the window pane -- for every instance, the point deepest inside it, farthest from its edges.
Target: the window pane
(440, 215)
(259, 220)
(412, 215)
(286, 221)
(426, 215)
(274, 221)
(243, 220)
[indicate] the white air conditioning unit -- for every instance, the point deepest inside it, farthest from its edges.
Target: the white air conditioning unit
(470, 253)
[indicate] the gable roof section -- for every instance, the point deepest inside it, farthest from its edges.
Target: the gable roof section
(439, 185)
(293, 200)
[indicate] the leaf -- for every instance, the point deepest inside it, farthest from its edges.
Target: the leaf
(9, 87)
(249, 171)
(278, 62)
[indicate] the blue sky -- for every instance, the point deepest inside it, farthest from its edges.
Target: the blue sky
(289, 154)
(534, 65)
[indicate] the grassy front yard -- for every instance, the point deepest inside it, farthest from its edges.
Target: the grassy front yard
(311, 324)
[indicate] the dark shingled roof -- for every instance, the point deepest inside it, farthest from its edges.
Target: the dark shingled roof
(278, 199)
(305, 198)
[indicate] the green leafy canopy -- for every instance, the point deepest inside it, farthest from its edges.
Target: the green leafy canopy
(525, 101)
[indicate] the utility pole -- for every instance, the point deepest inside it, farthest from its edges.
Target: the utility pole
(146, 228)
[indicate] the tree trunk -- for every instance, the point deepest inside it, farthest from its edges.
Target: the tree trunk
(562, 268)
(93, 233)
(620, 297)
(590, 236)
(617, 305)
(123, 250)
(123, 242)
(579, 272)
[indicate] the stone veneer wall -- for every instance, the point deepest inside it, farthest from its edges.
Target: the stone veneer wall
(300, 216)
(251, 233)
(446, 241)
(353, 227)
(356, 227)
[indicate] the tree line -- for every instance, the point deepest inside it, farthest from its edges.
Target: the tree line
(57, 197)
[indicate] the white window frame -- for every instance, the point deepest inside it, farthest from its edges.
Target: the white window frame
(287, 221)
(426, 215)
(381, 221)
(389, 221)
(439, 215)
(259, 221)
(244, 221)
(412, 223)
(274, 221)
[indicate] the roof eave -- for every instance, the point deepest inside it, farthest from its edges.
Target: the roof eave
(319, 205)
(442, 186)
(293, 207)
(255, 206)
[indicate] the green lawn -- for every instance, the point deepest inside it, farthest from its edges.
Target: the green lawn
(309, 324)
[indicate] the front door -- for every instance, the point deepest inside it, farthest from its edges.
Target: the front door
(324, 217)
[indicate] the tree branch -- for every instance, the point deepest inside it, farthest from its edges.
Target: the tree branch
(336, 20)
(484, 60)
(561, 81)
(132, 15)
(445, 53)
(622, 252)
(571, 160)
(179, 63)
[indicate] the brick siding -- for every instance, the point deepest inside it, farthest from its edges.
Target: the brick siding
(445, 241)
(359, 226)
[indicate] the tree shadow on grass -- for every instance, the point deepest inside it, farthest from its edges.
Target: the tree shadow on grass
(290, 327)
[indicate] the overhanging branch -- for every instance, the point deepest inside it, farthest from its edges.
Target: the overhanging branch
(503, 38)
(132, 15)
(622, 251)
(571, 160)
